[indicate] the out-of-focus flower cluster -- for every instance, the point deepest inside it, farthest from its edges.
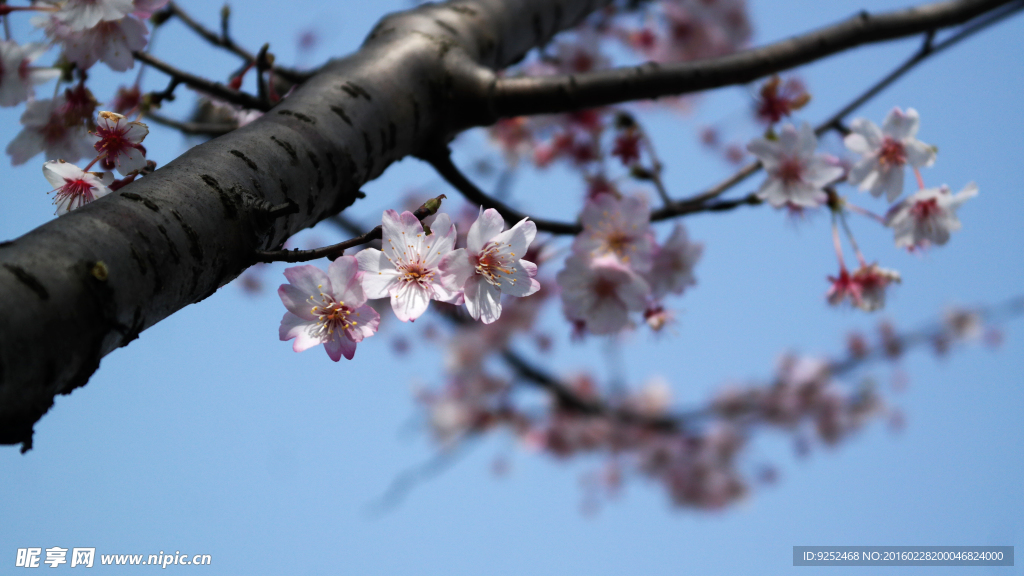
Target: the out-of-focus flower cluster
(697, 456)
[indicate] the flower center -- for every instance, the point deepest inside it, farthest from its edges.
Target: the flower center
(490, 263)
(77, 191)
(926, 209)
(331, 315)
(604, 288)
(892, 153)
(415, 272)
(790, 171)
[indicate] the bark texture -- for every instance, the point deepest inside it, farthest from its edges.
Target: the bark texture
(84, 284)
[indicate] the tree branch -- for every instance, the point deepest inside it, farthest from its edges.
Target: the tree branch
(428, 208)
(519, 96)
(191, 128)
(215, 89)
(835, 122)
(225, 41)
(442, 163)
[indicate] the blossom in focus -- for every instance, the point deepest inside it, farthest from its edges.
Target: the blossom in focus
(120, 142)
(491, 264)
(73, 186)
(328, 309)
(673, 265)
(886, 151)
(407, 270)
(17, 75)
(796, 175)
(617, 227)
(601, 292)
(46, 129)
(927, 216)
(80, 15)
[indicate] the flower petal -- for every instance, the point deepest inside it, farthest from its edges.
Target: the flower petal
(308, 279)
(409, 301)
(378, 273)
(487, 225)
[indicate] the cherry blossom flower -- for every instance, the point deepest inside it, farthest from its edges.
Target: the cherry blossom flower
(672, 270)
(120, 142)
(491, 265)
(865, 288)
(338, 318)
(47, 129)
(74, 186)
(927, 216)
(777, 99)
(796, 175)
(885, 152)
(619, 227)
(83, 14)
(111, 41)
(873, 282)
(407, 270)
(601, 292)
(17, 75)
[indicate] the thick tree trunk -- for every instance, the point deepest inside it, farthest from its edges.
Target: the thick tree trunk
(89, 282)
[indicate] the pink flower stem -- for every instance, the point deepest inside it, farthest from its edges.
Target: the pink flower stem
(920, 180)
(94, 160)
(853, 241)
(838, 244)
(864, 212)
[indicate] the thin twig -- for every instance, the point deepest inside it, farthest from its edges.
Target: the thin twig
(442, 163)
(215, 89)
(835, 122)
(192, 128)
(224, 41)
(528, 95)
(335, 250)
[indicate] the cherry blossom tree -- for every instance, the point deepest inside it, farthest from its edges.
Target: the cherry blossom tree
(137, 237)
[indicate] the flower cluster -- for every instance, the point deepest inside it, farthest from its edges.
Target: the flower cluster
(800, 178)
(617, 268)
(66, 128)
(413, 267)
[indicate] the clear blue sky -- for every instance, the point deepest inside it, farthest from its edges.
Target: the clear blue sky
(208, 435)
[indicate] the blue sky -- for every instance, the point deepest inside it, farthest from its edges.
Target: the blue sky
(208, 435)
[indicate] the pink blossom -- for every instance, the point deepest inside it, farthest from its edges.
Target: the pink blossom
(601, 292)
(865, 288)
(885, 152)
(618, 227)
(75, 187)
(339, 317)
(778, 100)
(17, 75)
(796, 175)
(928, 216)
(120, 142)
(672, 270)
(80, 15)
(111, 42)
(407, 270)
(491, 264)
(47, 129)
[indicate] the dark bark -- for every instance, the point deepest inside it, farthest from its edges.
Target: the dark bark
(89, 282)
